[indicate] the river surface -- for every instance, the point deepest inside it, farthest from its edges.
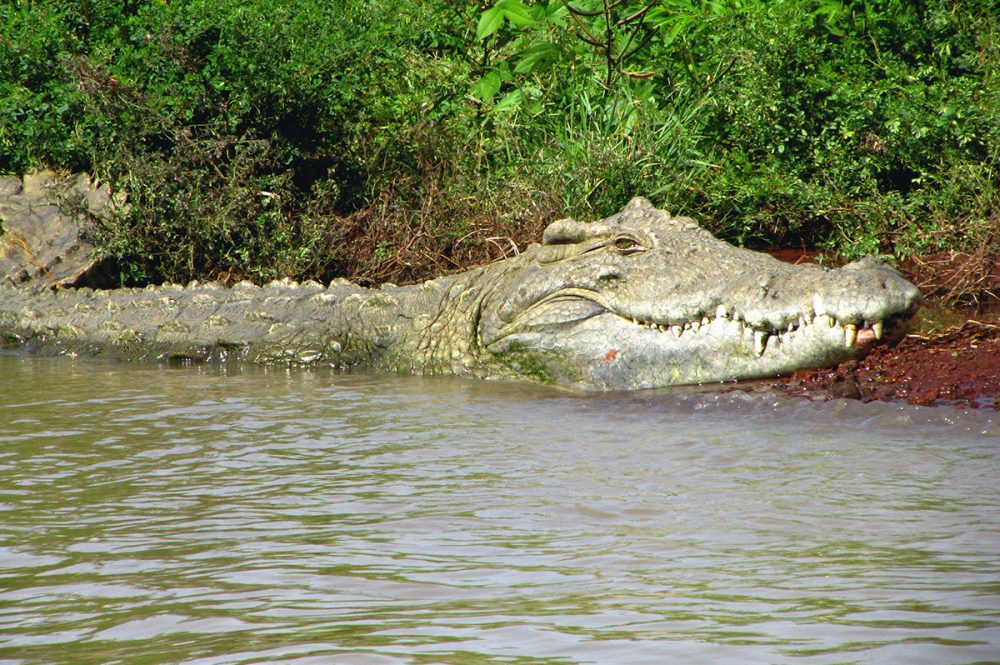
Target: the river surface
(222, 515)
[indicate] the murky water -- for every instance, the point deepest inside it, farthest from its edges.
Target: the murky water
(201, 515)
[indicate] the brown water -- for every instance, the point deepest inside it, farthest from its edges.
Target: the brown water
(206, 515)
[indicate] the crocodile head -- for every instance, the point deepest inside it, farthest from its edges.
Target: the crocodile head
(642, 299)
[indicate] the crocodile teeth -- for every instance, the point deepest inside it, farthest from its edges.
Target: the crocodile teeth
(759, 342)
(850, 334)
(877, 328)
(722, 312)
(676, 330)
(825, 319)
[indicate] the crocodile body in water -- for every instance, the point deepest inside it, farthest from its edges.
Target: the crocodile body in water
(637, 300)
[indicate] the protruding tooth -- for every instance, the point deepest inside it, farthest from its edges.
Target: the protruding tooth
(878, 328)
(826, 320)
(759, 342)
(676, 330)
(695, 325)
(722, 312)
(818, 306)
(850, 334)
(802, 322)
(791, 326)
(687, 326)
(705, 320)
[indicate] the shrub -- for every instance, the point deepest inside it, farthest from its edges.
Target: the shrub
(390, 140)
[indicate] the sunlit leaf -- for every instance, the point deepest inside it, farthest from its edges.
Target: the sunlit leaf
(489, 22)
(488, 86)
(518, 14)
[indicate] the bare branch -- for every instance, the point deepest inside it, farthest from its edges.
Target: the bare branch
(625, 56)
(632, 33)
(639, 14)
(592, 42)
(579, 12)
(583, 29)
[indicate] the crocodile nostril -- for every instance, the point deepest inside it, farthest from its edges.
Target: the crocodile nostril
(609, 276)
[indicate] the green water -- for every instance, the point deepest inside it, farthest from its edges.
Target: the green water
(206, 515)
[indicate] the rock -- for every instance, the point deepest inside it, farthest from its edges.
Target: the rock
(43, 222)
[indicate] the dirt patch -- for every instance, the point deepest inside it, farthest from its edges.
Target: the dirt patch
(959, 365)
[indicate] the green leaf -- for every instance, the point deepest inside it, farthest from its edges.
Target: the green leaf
(537, 58)
(488, 86)
(517, 13)
(511, 101)
(489, 22)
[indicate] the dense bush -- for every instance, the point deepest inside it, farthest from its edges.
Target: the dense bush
(390, 140)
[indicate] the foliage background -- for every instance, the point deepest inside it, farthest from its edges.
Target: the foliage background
(391, 140)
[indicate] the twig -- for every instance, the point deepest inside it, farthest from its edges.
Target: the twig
(33, 261)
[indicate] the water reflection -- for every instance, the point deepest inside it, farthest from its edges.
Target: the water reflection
(213, 515)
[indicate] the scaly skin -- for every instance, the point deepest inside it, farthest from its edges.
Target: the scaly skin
(637, 300)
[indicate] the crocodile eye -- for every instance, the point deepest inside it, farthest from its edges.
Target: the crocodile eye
(626, 245)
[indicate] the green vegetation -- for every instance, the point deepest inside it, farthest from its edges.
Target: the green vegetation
(391, 140)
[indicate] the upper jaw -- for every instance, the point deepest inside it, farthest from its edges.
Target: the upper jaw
(865, 301)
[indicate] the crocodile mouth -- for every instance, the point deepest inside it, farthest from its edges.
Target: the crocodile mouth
(857, 333)
(571, 306)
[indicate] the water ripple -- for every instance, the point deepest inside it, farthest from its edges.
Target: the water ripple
(226, 515)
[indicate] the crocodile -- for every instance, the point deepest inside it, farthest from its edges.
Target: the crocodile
(640, 299)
